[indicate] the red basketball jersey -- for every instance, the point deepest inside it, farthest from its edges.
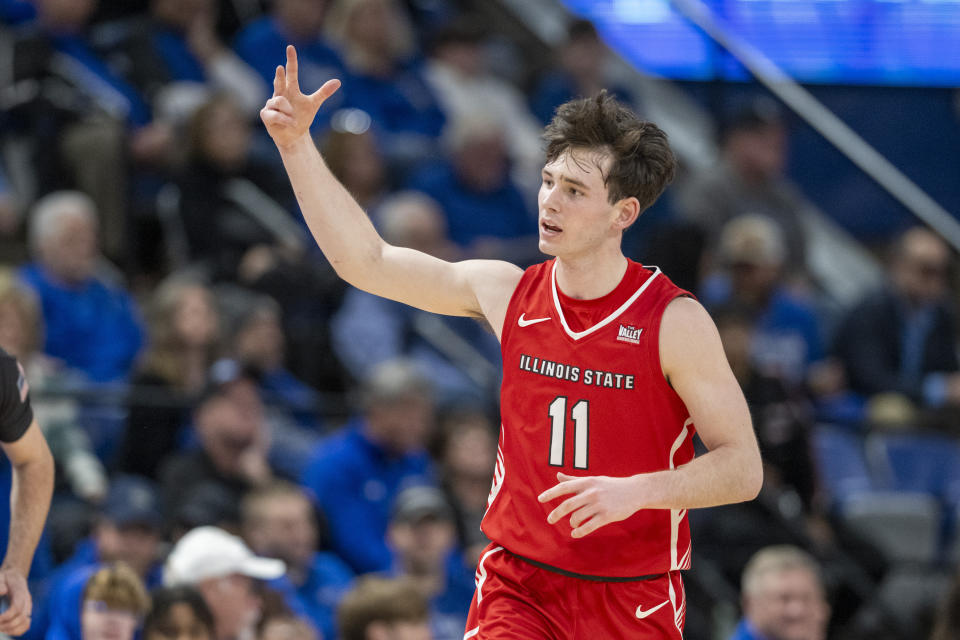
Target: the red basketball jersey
(588, 400)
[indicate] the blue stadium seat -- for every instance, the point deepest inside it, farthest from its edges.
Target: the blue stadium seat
(905, 526)
(926, 463)
(841, 462)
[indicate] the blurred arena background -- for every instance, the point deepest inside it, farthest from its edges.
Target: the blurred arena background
(194, 361)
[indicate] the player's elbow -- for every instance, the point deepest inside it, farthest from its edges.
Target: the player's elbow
(752, 475)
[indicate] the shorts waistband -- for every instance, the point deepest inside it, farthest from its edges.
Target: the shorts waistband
(582, 576)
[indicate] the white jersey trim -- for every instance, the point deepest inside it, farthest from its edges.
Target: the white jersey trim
(480, 578)
(576, 335)
(677, 515)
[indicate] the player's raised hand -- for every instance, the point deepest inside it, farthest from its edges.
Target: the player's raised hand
(596, 501)
(289, 113)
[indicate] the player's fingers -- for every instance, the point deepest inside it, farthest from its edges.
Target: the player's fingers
(273, 118)
(293, 69)
(557, 490)
(281, 104)
(589, 527)
(580, 516)
(328, 89)
(11, 616)
(562, 477)
(567, 506)
(278, 81)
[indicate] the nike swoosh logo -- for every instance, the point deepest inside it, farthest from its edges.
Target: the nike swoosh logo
(527, 323)
(643, 614)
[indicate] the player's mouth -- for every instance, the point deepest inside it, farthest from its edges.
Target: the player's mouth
(549, 229)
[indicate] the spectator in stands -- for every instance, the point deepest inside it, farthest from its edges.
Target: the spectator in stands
(183, 331)
(263, 42)
(458, 355)
(902, 339)
(178, 612)
(230, 203)
(783, 597)
(223, 570)
(385, 77)
(356, 474)
(114, 603)
(423, 537)
(379, 608)
(128, 529)
(580, 70)
(749, 178)
(459, 75)
(175, 58)
(486, 213)
(92, 323)
(279, 522)
(787, 336)
(468, 456)
(79, 471)
(354, 157)
(87, 122)
(287, 627)
(234, 440)
(255, 337)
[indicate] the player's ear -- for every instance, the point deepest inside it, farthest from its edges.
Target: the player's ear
(627, 212)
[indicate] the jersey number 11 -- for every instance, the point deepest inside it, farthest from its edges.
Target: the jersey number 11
(580, 413)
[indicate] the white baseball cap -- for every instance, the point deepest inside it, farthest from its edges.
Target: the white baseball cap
(211, 552)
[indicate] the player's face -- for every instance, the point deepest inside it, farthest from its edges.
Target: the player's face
(575, 214)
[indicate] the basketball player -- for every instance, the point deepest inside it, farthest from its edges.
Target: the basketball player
(608, 370)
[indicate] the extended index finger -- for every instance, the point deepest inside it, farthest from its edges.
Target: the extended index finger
(560, 489)
(293, 69)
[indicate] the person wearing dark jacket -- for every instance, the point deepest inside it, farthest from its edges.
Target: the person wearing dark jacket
(903, 339)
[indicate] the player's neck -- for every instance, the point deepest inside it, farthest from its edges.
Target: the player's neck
(590, 277)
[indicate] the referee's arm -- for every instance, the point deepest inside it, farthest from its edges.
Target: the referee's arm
(29, 502)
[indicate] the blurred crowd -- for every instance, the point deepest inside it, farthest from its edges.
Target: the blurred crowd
(249, 448)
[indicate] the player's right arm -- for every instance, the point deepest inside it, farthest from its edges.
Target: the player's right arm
(348, 239)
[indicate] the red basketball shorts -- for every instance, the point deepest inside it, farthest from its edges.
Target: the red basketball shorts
(516, 600)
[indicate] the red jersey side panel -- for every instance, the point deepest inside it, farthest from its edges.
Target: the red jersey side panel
(590, 402)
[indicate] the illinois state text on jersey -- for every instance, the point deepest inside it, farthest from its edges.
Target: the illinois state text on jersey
(588, 400)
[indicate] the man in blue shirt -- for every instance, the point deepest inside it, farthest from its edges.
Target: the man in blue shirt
(128, 530)
(262, 44)
(423, 536)
(783, 597)
(486, 213)
(356, 474)
(91, 323)
(279, 522)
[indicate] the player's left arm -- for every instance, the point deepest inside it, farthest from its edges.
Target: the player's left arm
(29, 502)
(694, 364)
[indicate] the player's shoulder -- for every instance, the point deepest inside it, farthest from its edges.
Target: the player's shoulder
(684, 314)
(498, 275)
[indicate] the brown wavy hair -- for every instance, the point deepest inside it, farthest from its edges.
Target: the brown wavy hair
(642, 163)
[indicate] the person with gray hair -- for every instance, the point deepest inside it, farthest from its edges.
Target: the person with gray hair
(459, 355)
(356, 474)
(485, 209)
(92, 321)
(783, 597)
